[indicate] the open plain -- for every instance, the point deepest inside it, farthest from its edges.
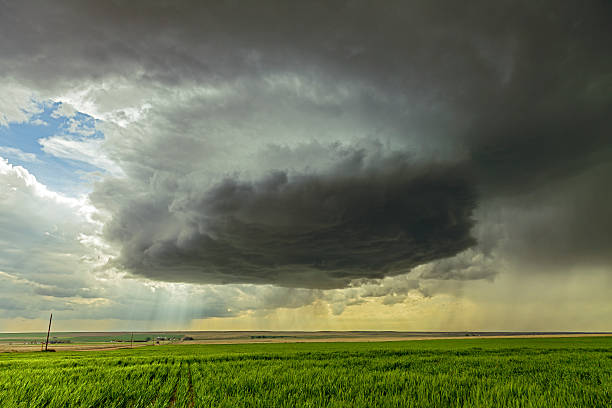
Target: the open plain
(93, 341)
(475, 372)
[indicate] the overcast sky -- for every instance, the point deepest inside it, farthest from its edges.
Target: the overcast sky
(414, 165)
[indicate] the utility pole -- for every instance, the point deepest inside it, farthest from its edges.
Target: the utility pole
(132, 341)
(48, 331)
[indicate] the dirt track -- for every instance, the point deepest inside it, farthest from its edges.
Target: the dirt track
(4, 348)
(380, 338)
(315, 339)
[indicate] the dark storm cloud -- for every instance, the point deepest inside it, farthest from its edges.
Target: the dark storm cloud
(467, 53)
(519, 93)
(303, 230)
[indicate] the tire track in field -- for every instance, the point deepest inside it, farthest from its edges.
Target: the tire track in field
(191, 401)
(172, 401)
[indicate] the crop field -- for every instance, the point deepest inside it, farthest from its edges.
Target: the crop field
(543, 372)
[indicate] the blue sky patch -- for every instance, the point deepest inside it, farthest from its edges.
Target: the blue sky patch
(20, 144)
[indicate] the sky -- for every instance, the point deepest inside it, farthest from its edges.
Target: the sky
(323, 165)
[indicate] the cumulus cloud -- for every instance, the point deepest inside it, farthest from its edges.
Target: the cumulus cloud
(40, 252)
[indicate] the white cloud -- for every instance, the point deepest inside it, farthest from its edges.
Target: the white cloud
(39, 250)
(19, 179)
(39, 122)
(17, 154)
(88, 150)
(115, 100)
(17, 103)
(64, 110)
(78, 127)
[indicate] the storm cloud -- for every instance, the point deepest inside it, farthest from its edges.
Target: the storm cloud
(317, 144)
(360, 220)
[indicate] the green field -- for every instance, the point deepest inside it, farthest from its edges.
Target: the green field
(555, 372)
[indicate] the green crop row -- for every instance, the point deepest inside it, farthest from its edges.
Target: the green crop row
(439, 373)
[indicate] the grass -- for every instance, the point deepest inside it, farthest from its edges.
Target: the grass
(559, 372)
